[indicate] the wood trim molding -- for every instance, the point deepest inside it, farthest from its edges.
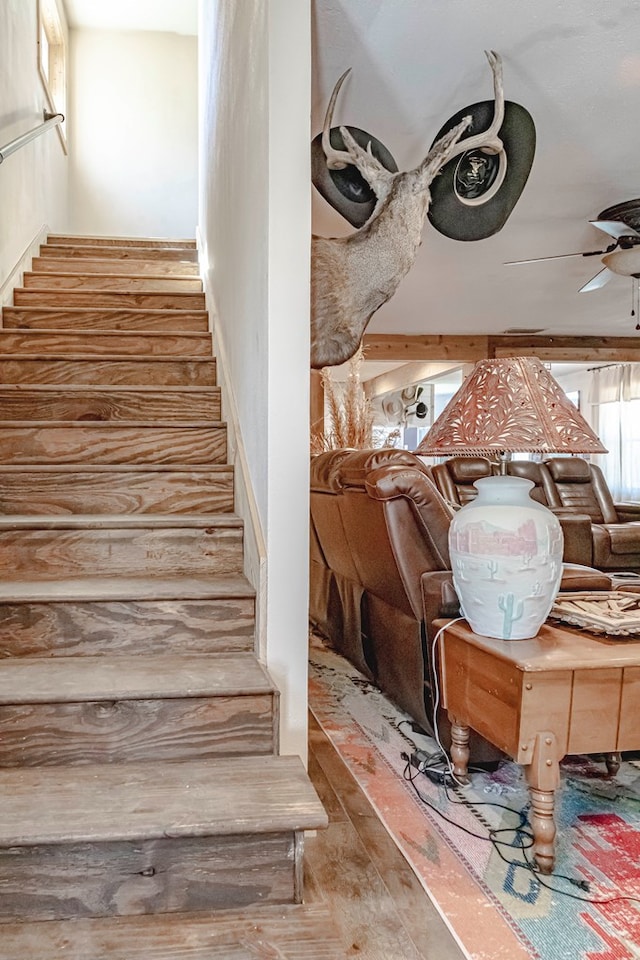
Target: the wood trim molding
(469, 349)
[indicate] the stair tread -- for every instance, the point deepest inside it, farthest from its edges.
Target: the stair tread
(120, 357)
(36, 332)
(112, 424)
(126, 677)
(295, 931)
(109, 468)
(82, 388)
(99, 239)
(87, 589)
(117, 521)
(113, 311)
(222, 797)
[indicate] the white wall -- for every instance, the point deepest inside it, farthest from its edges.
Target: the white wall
(133, 133)
(255, 230)
(33, 181)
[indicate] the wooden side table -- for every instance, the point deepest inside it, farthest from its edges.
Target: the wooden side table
(564, 691)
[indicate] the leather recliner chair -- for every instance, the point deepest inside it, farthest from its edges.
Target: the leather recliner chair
(581, 488)
(455, 480)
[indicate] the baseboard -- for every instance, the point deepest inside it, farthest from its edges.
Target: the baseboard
(24, 263)
(255, 552)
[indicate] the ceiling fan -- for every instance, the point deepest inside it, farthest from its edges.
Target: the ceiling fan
(622, 257)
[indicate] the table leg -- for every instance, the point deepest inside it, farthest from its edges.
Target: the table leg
(543, 776)
(460, 749)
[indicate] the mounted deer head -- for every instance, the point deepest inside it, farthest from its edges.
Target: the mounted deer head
(352, 277)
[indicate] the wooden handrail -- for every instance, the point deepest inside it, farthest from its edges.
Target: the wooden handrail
(50, 120)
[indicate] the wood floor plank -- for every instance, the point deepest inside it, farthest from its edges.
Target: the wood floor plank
(376, 882)
(301, 932)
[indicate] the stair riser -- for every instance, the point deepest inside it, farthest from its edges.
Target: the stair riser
(88, 298)
(155, 243)
(35, 318)
(145, 627)
(167, 875)
(135, 731)
(29, 554)
(171, 373)
(103, 493)
(108, 444)
(154, 268)
(98, 344)
(38, 281)
(119, 253)
(111, 406)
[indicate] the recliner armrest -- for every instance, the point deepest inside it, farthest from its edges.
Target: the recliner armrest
(628, 511)
(578, 541)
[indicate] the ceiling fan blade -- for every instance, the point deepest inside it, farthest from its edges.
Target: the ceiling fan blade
(598, 281)
(559, 256)
(615, 228)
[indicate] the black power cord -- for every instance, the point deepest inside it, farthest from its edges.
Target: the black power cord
(443, 778)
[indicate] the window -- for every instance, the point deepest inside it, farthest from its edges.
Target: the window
(52, 59)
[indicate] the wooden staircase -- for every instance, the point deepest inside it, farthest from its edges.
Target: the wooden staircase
(146, 811)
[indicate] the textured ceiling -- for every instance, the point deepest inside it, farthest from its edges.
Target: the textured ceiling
(576, 67)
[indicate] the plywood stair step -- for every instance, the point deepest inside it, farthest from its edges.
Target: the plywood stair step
(124, 282)
(301, 932)
(119, 252)
(121, 839)
(186, 371)
(146, 544)
(55, 441)
(123, 488)
(100, 342)
(107, 319)
(134, 708)
(66, 239)
(174, 300)
(123, 615)
(109, 403)
(63, 264)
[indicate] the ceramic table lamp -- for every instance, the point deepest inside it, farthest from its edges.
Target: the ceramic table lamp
(506, 549)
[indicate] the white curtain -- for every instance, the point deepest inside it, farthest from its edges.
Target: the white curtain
(615, 396)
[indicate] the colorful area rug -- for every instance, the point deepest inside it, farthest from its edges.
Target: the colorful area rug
(494, 905)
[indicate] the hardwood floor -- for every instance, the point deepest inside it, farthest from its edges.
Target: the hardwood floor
(379, 906)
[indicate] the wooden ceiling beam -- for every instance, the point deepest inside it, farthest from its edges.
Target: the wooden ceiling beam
(468, 349)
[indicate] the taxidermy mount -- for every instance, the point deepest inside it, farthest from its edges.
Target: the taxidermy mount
(353, 276)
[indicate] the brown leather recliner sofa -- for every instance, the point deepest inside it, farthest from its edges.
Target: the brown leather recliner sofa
(597, 532)
(392, 571)
(455, 478)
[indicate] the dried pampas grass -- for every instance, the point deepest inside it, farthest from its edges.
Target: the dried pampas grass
(349, 412)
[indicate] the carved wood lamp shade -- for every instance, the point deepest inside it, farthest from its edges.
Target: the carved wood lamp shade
(507, 406)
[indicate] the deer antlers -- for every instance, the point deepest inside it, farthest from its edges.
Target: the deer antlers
(352, 277)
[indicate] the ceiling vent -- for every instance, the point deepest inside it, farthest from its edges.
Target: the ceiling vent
(529, 330)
